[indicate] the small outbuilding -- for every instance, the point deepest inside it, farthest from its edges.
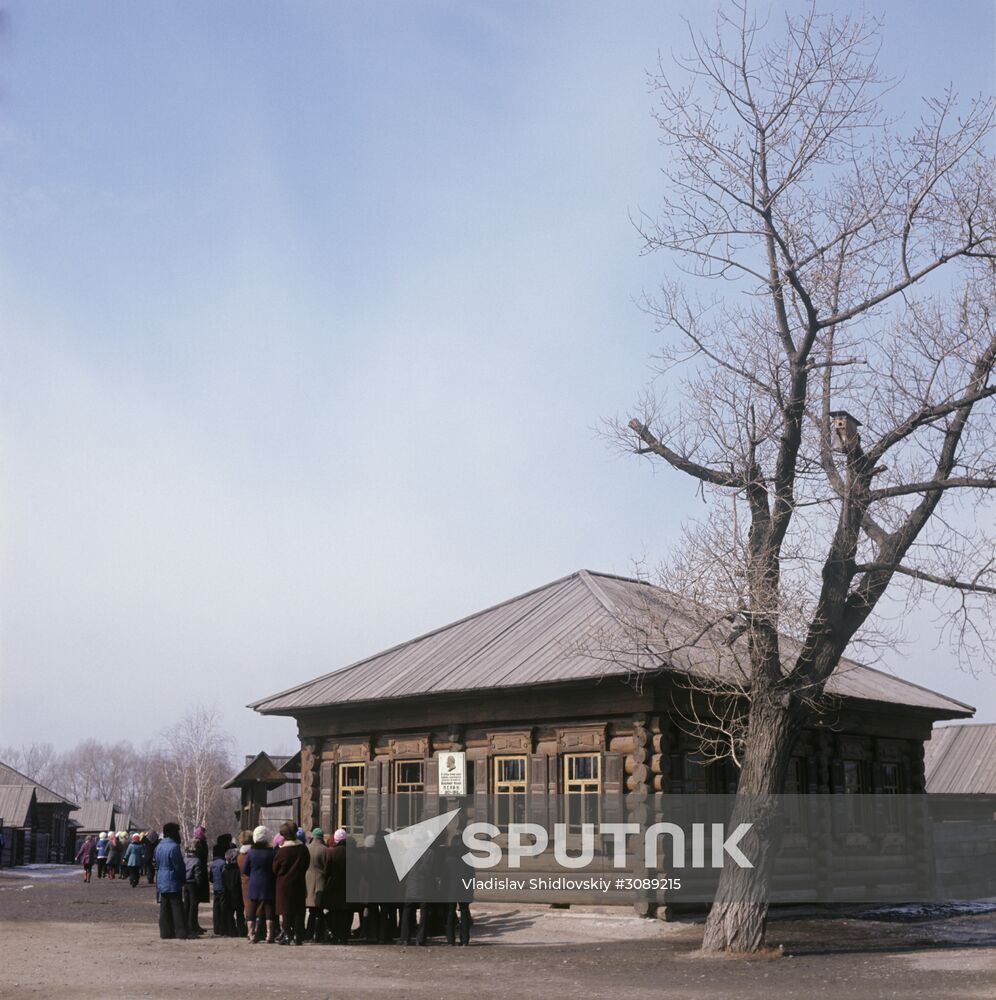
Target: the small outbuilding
(49, 840)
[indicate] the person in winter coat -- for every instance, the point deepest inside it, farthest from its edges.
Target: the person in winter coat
(314, 881)
(170, 876)
(149, 841)
(420, 886)
(192, 878)
(459, 883)
(134, 858)
(245, 843)
(233, 913)
(113, 856)
(290, 867)
(217, 877)
(202, 888)
(341, 915)
(262, 886)
(102, 843)
(86, 856)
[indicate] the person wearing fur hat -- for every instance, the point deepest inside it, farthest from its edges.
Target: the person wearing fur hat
(170, 875)
(262, 887)
(290, 867)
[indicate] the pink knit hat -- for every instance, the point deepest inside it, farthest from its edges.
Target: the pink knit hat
(339, 836)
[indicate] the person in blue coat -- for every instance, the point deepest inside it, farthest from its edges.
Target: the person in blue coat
(134, 858)
(262, 886)
(170, 875)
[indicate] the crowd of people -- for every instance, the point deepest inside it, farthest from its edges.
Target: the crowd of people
(287, 888)
(118, 855)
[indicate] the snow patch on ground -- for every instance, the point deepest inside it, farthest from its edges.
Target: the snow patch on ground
(915, 912)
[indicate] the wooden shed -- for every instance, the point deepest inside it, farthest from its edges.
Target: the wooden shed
(270, 790)
(98, 816)
(51, 839)
(19, 821)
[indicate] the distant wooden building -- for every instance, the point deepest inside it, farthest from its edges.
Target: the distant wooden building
(552, 693)
(98, 816)
(270, 790)
(47, 839)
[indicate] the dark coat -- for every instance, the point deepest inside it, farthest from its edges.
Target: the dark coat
(203, 882)
(231, 878)
(87, 853)
(459, 877)
(259, 868)
(335, 876)
(290, 866)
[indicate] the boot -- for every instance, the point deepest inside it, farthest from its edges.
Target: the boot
(271, 932)
(256, 931)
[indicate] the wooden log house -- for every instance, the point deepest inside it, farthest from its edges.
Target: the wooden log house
(550, 694)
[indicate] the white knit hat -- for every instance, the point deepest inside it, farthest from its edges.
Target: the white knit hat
(260, 835)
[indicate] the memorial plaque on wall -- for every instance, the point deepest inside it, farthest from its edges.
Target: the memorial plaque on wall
(452, 772)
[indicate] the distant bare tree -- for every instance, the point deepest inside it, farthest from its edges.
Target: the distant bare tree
(35, 760)
(855, 268)
(196, 760)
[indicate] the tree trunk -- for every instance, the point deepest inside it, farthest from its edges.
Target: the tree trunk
(739, 913)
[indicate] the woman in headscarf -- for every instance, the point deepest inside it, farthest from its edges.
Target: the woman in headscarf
(262, 887)
(314, 882)
(290, 867)
(114, 851)
(134, 858)
(86, 856)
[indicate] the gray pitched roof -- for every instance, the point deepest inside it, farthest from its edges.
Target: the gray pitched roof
(581, 627)
(15, 804)
(95, 815)
(961, 759)
(10, 776)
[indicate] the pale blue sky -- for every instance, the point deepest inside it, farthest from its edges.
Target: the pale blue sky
(309, 312)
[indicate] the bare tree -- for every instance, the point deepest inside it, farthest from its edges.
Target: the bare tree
(195, 760)
(38, 761)
(855, 274)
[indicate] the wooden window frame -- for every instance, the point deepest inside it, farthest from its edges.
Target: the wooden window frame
(509, 787)
(571, 788)
(409, 788)
(350, 792)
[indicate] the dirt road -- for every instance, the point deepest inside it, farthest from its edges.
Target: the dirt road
(60, 938)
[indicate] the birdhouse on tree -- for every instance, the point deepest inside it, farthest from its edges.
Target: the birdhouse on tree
(844, 428)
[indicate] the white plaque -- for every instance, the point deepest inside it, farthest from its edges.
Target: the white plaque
(452, 772)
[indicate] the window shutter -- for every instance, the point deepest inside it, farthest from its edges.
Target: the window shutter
(432, 786)
(612, 786)
(481, 767)
(372, 796)
(325, 796)
(538, 788)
